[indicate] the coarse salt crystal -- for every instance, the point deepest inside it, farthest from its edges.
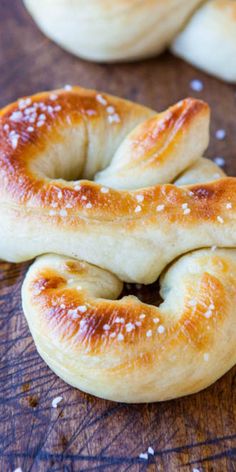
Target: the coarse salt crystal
(120, 337)
(196, 85)
(90, 112)
(138, 209)
(30, 129)
(219, 161)
(56, 401)
(143, 455)
(110, 110)
(160, 207)
(151, 450)
(187, 211)
(68, 87)
(40, 123)
(119, 320)
(149, 333)
(59, 194)
(83, 324)
(160, 329)
(184, 206)
(14, 138)
(16, 116)
(52, 212)
(206, 357)
(114, 118)
(139, 198)
(63, 212)
(24, 102)
(228, 205)
(192, 302)
(82, 308)
(53, 96)
(155, 320)
(104, 189)
(142, 316)
(220, 134)
(129, 327)
(100, 99)
(220, 219)
(77, 187)
(73, 313)
(88, 205)
(106, 327)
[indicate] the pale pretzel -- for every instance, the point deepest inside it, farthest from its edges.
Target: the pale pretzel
(201, 31)
(122, 350)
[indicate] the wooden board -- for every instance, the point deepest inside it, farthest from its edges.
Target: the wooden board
(84, 433)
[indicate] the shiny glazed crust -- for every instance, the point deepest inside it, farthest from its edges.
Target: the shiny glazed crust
(132, 223)
(126, 350)
(52, 137)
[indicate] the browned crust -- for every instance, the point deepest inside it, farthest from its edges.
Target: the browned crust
(19, 186)
(55, 304)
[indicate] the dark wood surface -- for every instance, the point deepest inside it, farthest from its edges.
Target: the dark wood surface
(84, 433)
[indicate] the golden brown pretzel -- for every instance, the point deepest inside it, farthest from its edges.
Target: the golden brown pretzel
(126, 350)
(122, 350)
(42, 211)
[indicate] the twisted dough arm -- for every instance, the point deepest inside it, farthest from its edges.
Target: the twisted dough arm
(107, 30)
(126, 232)
(126, 350)
(208, 40)
(203, 170)
(159, 149)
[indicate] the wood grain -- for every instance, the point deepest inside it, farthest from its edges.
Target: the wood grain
(84, 433)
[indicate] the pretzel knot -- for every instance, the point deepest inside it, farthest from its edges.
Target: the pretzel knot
(153, 199)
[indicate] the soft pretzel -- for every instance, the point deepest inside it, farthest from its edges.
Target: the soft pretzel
(45, 141)
(126, 350)
(105, 30)
(130, 222)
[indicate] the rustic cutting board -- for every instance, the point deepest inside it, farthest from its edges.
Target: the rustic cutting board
(84, 433)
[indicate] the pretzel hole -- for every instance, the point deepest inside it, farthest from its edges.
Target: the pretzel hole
(149, 294)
